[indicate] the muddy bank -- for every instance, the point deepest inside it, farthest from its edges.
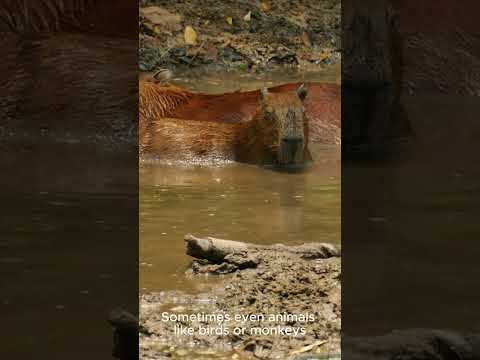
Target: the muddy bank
(292, 295)
(244, 35)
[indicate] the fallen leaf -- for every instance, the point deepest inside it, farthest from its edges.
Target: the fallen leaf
(323, 55)
(190, 35)
(230, 20)
(248, 17)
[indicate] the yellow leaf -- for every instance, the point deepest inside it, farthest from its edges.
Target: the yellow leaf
(229, 20)
(264, 6)
(190, 35)
(323, 55)
(248, 17)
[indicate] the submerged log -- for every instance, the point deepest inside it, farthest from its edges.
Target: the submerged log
(215, 250)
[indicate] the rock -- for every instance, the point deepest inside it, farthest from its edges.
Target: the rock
(125, 335)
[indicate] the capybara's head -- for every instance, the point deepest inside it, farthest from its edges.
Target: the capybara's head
(283, 114)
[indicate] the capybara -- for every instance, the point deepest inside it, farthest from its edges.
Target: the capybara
(322, 106)
(67, 89)
(277, 135)
(60, 84)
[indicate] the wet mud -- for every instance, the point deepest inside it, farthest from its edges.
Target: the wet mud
(297, 293)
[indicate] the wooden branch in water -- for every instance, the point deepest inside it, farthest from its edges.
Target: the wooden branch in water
(215, 250)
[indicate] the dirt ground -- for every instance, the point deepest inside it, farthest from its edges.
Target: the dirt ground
(238, 34)
(266, 282)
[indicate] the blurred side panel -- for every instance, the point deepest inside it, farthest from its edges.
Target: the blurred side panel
(410, 179)
(69, 175)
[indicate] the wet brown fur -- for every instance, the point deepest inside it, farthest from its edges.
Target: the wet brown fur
(160, 101)
(155, 102)
(64, 84)
(40, 15)
(101, 17)
(322, 107)
(69, 84)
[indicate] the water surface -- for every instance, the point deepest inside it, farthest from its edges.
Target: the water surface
(214, 82)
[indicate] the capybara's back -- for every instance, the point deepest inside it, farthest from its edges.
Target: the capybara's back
(112, 18)
(322, 107)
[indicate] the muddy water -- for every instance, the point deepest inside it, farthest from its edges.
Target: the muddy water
(232, 201)
(218, 83)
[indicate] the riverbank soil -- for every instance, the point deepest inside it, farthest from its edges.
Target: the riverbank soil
(300, 289)
(246, 34)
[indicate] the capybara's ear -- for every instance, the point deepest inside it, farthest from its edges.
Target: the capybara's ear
(302, 92)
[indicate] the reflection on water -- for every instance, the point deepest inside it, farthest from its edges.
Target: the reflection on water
(233, 201)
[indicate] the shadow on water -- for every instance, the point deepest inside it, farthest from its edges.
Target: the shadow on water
(289, 169)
